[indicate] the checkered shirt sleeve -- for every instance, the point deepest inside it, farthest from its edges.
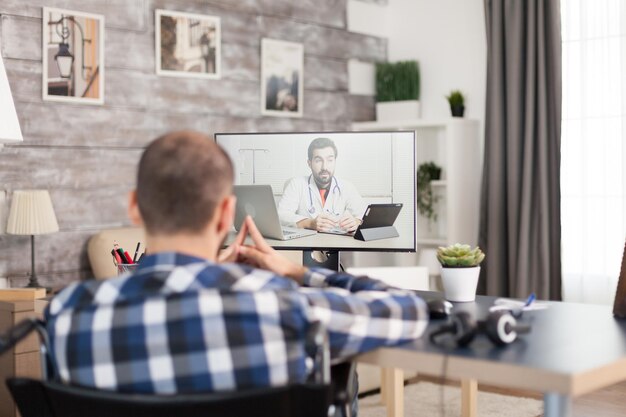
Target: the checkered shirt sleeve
(361, 313)
(181, 324)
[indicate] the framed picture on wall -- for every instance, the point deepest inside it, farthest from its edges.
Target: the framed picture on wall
(282, 69)
(187, 45)
(73, 56)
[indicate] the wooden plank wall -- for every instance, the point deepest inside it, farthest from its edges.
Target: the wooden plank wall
(86, 155)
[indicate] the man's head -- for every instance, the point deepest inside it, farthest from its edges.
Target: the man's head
(184, 185)
(322, 155)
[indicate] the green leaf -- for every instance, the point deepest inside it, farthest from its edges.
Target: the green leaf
(455, 98)
(460, 255)
(397, 81)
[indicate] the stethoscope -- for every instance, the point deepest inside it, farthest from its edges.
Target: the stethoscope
(336, 190)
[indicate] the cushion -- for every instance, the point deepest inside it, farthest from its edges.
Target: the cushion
(100, 245)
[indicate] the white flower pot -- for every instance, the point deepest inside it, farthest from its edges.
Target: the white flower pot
(392, 111)
(459, 284)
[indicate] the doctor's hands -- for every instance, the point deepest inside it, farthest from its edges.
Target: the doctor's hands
(325, 222)
(348, 222)
(261, 255)
(322, 223)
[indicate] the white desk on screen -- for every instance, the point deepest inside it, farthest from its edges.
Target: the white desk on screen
(329, 242)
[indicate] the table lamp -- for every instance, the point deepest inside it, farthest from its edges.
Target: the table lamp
(10, 131)
(32, 214)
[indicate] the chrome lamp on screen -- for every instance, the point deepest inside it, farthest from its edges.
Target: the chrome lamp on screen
(66, 27)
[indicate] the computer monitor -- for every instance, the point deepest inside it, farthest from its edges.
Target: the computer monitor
(337, 174)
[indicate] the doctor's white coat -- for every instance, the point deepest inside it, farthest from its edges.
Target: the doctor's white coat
(301, 200)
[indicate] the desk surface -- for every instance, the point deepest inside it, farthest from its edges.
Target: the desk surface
(339, 242)
(572, 349)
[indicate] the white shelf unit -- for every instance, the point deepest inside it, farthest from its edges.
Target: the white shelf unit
(455, 145)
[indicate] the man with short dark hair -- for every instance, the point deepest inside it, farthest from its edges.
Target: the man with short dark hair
(194, 319)
(321, 201)
(181, 194)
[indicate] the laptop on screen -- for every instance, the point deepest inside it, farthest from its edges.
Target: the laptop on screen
(257, 201)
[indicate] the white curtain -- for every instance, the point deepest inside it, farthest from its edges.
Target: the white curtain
(593, 149)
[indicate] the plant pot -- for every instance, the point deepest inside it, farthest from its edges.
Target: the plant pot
(457, 111)
(391, 111)
(459, 284)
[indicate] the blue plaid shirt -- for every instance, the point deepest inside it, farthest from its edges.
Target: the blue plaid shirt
(182, 324)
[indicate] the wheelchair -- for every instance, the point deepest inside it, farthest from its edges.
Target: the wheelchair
(49, 397)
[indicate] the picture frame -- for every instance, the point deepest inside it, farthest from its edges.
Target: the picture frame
(282, 73)
(73, 67)
(187, 44)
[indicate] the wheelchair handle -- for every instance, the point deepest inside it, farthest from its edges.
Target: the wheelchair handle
(317, 349)
(17, 333)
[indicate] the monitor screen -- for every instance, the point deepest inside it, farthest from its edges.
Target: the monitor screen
(326, 182)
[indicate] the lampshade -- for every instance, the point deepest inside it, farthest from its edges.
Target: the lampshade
(428, 258)
(9, 124)
(32, 213)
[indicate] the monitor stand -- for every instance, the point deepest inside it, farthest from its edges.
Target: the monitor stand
(321, 259)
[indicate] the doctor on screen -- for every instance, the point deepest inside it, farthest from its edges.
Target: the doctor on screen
(321, 201)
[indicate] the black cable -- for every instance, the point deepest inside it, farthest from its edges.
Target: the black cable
(449, 327)
(446, 328)
(444, 371)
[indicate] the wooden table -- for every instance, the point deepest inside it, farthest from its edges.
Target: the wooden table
(23, 359)
(573, 349)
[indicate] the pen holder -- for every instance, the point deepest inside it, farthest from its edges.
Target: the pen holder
(124, 268)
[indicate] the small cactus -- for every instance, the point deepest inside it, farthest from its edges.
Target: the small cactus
(459, 256)
(456, 98)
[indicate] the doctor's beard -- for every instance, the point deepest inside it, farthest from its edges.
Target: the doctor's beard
(323, 178)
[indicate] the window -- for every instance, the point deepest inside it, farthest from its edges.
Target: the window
(593, 150)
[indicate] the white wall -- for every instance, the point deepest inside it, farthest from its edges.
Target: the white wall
(448, 39)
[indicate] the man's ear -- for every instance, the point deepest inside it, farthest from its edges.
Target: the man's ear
(308, 161)
(227, 214)
(133, 209)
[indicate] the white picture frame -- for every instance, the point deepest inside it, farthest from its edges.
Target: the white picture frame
(73, 67)
(282, 76)
(187, 44)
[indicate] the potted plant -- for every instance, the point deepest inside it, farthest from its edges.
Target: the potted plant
(457, 103)
(397, 90)
(426, 199)
(460, 267)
